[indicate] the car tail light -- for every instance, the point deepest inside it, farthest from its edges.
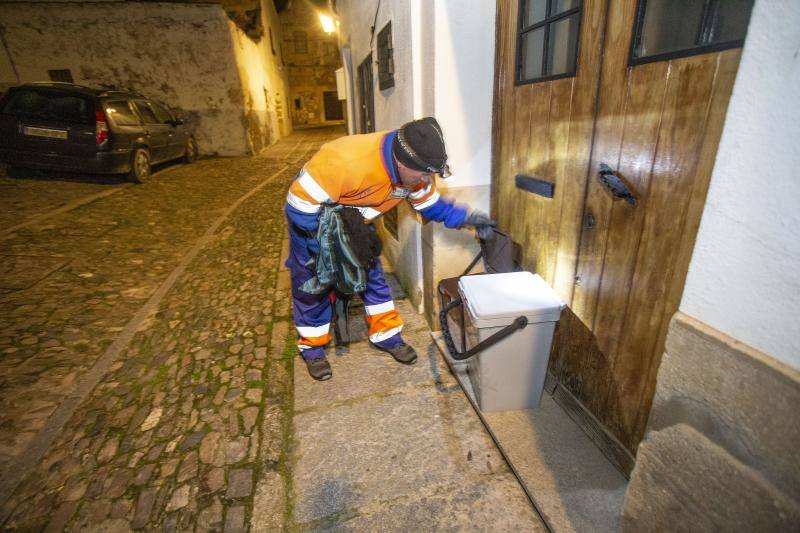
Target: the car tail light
(101, 125)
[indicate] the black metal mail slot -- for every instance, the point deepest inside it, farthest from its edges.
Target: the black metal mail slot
(535, 185)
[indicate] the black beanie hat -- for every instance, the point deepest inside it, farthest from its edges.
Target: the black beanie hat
(419, 144)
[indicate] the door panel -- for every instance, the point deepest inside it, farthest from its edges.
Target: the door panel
(544, 130)
(608, 134)
(715, 120)
(334, 109)
(689, 88)
(620, 267)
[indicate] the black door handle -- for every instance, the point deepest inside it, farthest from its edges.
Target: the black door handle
(615, 185)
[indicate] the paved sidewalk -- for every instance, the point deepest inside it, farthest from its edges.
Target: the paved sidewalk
(387, 447)
(148, 378)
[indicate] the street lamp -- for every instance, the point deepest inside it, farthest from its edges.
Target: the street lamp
(328, 26)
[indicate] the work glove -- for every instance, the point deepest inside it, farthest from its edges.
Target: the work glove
(482, 223)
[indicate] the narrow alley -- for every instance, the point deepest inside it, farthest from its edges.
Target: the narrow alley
(148, 376)
(573, 300)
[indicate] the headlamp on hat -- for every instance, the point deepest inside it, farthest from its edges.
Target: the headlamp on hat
(419, 145)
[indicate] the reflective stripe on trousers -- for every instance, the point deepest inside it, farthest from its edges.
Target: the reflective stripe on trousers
(312, 312)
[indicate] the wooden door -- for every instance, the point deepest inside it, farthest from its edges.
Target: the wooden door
(334, 108)
(366, 97)
(620, 267)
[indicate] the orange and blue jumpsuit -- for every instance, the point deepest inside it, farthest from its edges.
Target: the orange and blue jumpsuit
(356, 171)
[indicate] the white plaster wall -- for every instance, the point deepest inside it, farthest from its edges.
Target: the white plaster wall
(464, 40)
(393, 108)
(744, 277)
(349, 88)
(444, 67)
(179, 54)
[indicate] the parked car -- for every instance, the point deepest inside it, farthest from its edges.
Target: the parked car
(63, 126)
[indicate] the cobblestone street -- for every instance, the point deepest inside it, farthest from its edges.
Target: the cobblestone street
(148, 377)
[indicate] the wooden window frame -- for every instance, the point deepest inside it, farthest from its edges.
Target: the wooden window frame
(702, 34)
(546, 23)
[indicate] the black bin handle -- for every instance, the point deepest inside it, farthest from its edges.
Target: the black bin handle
(518, 323)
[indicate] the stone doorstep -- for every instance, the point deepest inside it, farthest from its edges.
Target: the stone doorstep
(465, 506)
(683, 478)
(721, 447)
(754, 419)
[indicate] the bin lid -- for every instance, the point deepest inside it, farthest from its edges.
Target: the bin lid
(497, 299)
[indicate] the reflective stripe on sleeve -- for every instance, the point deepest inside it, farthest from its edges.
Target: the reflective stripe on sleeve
(429, 202)
(301, 205)
(420, 194)
(312, 187)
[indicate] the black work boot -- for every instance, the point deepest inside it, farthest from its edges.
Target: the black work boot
(402, 354)
(319, 369)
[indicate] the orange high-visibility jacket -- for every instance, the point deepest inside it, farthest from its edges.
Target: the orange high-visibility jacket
(358, 171)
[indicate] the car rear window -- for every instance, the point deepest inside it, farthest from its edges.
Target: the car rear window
(50, 105)
(121, 113)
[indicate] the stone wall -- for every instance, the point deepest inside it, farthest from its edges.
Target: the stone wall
(189, 56)
(264, 78)
(311, 63)
(721, 452)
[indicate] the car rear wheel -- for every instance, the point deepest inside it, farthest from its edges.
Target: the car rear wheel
(190, 154)
(140, 165)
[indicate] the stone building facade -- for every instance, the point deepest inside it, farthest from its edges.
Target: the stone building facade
(311, 57)
(210, 62)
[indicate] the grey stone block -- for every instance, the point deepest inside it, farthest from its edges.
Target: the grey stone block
(739, 398)
(685, 482)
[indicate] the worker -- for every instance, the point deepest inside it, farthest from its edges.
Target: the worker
(373, 173)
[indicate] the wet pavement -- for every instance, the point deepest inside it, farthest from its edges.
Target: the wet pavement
(148, 378)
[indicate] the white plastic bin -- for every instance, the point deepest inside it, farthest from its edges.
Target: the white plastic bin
(510, 374)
